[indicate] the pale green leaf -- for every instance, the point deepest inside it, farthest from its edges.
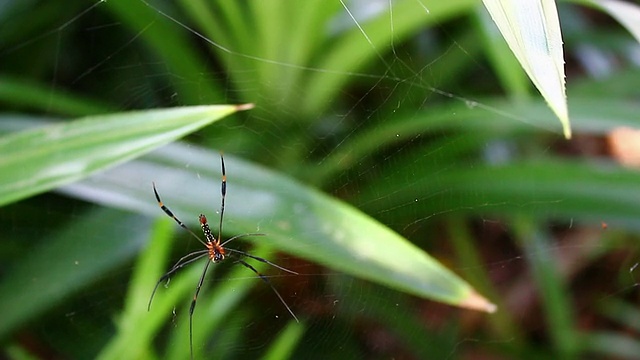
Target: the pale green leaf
(532, 31)
(296, 218)
(40, 159)
(626, 13)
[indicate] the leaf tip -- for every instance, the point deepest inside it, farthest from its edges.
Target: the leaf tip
(243, 107)
(567, 131)
(476, 301)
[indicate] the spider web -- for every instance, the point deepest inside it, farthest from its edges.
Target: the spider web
(347, 317)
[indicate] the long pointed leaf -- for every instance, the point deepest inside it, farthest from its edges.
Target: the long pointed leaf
(532, 30)
(627, 13)
(297, 219)
(37, 160)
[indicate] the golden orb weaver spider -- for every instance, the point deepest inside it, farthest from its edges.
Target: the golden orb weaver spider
(215, 252)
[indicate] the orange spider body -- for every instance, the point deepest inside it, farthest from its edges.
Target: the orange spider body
(216, 251)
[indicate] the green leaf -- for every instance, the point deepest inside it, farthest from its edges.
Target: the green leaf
(297, 219)
(166, 37)
(545, 188)
(611, 345)
(554, 293)
(592, 115)
(284, 346)
(506, 67)
(360, 45)
(67, 262)
(626, 13)
(532, 31)
(37, 160)
(17, 91)
(136, 325)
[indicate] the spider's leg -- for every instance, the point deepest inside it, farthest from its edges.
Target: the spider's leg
(264, 278)
(193, 306)
(181, 263)
(223, 191)
(184, 261)
(262, 260)
(171, 215)
(239, 236)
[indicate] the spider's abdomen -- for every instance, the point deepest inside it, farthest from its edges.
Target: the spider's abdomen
(206, 229)
(216, 252)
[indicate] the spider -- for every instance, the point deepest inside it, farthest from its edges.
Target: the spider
(215, 251)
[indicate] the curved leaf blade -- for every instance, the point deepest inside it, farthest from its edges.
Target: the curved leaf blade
(626, 13)
(37, 160)
(298, 220)
(532, 31)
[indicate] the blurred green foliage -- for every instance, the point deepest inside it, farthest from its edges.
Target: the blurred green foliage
(426, 124)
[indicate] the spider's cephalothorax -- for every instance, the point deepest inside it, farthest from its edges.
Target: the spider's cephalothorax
(216, 252)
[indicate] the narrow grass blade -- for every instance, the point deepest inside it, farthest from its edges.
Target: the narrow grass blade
(284, 346)
(136, 326)
(553, 292)
(21, 92)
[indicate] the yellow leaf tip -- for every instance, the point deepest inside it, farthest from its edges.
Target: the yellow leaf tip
(243, 107)
(476, 301)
